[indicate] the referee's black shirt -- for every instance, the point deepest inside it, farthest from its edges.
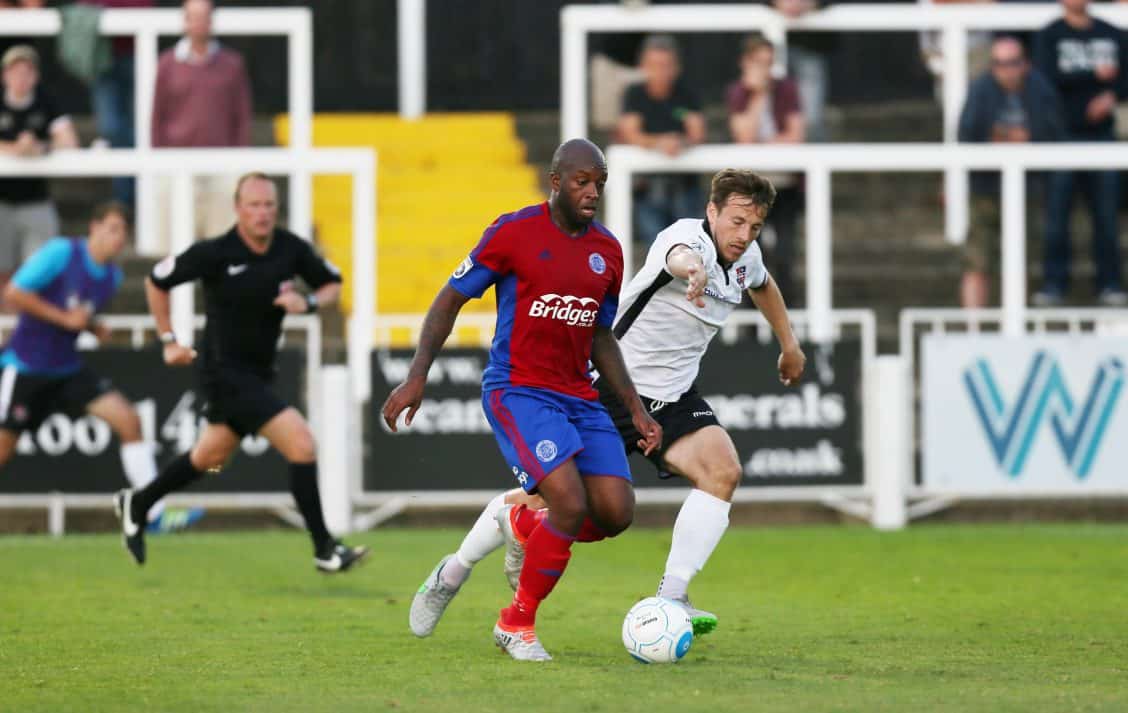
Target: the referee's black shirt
(240, 286)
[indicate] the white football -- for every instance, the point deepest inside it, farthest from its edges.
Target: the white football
(657, 631)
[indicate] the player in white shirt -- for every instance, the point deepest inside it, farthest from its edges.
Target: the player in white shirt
(695, 275)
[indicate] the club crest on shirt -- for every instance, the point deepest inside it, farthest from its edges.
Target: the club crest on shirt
(546, 450)
(464, 267)
(597, 263)
(741, 275)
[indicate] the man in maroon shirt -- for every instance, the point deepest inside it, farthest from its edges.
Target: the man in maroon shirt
(203, 99)
(764, 110)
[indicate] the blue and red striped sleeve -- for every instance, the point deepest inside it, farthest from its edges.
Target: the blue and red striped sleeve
(487, 263)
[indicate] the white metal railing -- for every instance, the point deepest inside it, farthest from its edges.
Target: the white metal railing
(953, 21)
(183, 164)
(819, 161)
(146, 26)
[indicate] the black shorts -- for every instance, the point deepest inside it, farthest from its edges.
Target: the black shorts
(241, 400)
(26, 400)
(688, 414)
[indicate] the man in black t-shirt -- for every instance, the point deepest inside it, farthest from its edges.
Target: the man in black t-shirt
(30, 125)
(1085, 59)
(663, 114)
(247, 276)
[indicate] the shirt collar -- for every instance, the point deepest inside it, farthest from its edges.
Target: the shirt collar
(183, 51)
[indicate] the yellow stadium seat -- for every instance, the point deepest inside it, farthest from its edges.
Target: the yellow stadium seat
(440, 181)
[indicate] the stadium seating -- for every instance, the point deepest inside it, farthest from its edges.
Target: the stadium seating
(440, 181)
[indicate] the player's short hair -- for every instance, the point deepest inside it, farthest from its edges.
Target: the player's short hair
(105, 210)
(252, 176)
(755, 42)
(663, 43)
(734, 181)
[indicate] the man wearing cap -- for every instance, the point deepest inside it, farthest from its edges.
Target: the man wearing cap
(30, 125)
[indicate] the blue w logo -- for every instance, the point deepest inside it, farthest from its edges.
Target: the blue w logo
(1011, 430)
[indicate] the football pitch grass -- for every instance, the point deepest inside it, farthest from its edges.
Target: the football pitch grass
(936, 618)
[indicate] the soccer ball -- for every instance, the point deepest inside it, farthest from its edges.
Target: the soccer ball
(657, 631)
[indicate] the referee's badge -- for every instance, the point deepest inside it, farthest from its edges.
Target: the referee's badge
(597, 264)
(463, 268)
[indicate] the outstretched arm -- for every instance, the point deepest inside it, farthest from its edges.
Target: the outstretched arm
(608, 361)
(436, 328)
(769, 301)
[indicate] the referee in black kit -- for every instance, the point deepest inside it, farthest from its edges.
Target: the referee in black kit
(247, 276)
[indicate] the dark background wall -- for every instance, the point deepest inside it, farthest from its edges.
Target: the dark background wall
(501, 54)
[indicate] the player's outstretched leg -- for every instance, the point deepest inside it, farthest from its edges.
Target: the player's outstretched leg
(290, 434)
(444, 581)
(708, 459)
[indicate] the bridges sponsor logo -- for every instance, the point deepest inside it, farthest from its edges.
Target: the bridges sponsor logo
(573, 311)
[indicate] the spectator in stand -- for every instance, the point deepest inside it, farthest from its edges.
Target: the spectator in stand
(1010, 103)
(1085, 59)
(763, 110)
(30, 125)
(112, 97)
(202, 99)
(806, 62)
(664, 114)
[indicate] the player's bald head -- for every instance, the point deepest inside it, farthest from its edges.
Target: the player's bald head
(577, 153)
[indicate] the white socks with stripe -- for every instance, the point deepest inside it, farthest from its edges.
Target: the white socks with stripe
(141, 469)
(701, 523)
(483, 538)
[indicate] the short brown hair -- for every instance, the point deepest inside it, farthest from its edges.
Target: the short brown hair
(252, 176)
(105, 210)
(755, 42)
(734, 181)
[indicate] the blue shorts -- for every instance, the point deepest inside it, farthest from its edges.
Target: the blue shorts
(539, 430)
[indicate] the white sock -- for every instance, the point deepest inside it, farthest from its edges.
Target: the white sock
(141, 469)
(701, 522)
(483, 538)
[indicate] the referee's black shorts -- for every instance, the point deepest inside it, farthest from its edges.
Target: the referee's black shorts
(239, 399)
(679, 418)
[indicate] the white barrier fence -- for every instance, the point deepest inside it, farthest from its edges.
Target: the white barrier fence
(819, 161)
(146, 26)
(953, 21)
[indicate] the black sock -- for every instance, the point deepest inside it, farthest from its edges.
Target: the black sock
(303, 484)
(177, 475)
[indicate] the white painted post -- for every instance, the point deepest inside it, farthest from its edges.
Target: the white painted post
(300, 54)
(183, 216)
(333, 454)
(819, 279)
(889, 506)
(573, 77)
(412, 38)
(1014, 250)
(954, 39)
(619, 214)
(362, 322)
(146, 227)
(56, 515)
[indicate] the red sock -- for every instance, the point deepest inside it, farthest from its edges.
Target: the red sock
(590, 532)
(547, 552)
(525, 520)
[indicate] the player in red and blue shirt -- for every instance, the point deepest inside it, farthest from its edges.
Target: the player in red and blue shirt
(557, 275)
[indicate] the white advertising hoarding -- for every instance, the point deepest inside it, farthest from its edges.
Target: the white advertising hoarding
(1040, 414)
